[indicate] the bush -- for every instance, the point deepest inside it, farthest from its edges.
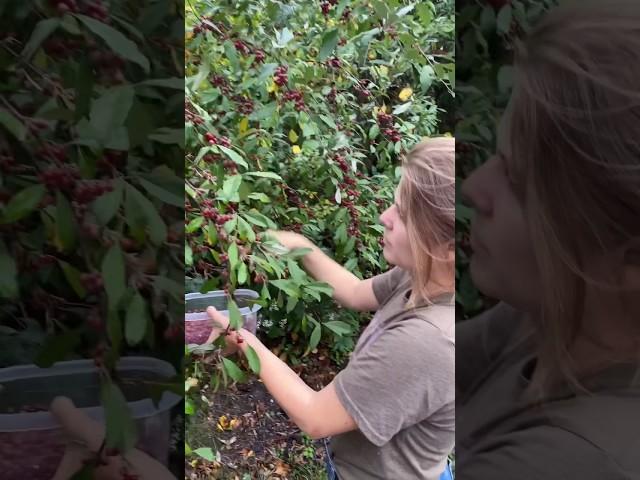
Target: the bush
(91, 205)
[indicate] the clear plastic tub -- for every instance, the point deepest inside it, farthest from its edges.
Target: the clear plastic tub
(198, 325)
(31, 442)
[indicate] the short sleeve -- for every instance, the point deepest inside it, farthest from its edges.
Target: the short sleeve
(386, 283)
(481, 340)
(542, 453)
(399, 380)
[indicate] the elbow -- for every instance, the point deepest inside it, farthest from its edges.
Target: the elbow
(315, 433)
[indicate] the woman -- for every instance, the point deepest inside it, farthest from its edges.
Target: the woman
(390, 412)
(548, 379)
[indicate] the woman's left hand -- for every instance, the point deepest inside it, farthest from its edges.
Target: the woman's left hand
(221, 326)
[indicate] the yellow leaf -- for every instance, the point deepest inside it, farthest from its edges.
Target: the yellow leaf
(405, 94)
(273, 87)
(223, 423)
(384, 71)
(243, 126)
(372, 55)
(296, 150)
(188, 36)
(331, 22)
(235, 423)
(293, 136)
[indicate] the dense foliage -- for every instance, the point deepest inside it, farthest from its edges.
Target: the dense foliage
(91, 194)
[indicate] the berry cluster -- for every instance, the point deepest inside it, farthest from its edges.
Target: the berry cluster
(245, 104)
(280, 76)
(53, 151)
(331, 96)
(211, 213)
(385, 120)
(190, 115)
(222, 83)
(293, 197)
(7, 163)
(60, 47)
(260, 56)
(92, 282)
(65, 6)
(296, 97)
(334, 62)
(88, 190)
(207, 23)
(346, 15)
(242, 47)
(211, 139)
(60, 178)
(327, 5)
(362, 89)
(392, 134)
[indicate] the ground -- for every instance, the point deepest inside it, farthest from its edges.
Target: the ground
(253, 436)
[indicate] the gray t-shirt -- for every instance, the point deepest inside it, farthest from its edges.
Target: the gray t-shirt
(399, 389)
(503, 435)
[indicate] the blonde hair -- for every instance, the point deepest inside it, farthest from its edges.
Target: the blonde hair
(427, 199)
(575, 155)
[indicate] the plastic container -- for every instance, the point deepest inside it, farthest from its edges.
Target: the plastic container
(198, 325)
(31, 442)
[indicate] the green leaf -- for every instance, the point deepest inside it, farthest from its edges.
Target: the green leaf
(282, 38)
(56, 348)
(261, 197)
(23, 203)
(116, 41)
(503, 21)
(73, 277)
(168, 136)
(233, 370)
(136, 320)
(194, 224)
(106, 206)
(230, 188)
(338, 327)
(291, 303)
(273, 175)
(316, 335)
(206, 453)
(246, 231)
(65, 232)
(43, 29)
(188, 255)
(235, 318)
(329, 43)
(113, 276)
(114, 329)
(287, 286)
(402, 108)
(110, 111)
(12, 124)
(8, 274)
(173, 83)
(253, 359)
(233, 256)
(242, 274)
(162, 194)
(142, 208)
(120, 427)
(233, 156)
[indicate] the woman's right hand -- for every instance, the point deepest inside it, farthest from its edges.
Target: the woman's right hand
(290, 240)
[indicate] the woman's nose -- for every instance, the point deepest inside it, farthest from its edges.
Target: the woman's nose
(384, 219)
(475, 193)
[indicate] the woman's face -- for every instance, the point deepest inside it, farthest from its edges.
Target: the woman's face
(502, 264)
(397, 250)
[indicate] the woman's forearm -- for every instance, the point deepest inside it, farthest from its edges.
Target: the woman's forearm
(325, 269)
(293, 395)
